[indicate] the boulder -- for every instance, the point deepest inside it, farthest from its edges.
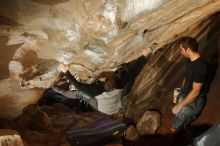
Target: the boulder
(148, 123)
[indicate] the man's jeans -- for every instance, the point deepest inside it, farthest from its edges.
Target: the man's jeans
(188, 113)
(78, 95)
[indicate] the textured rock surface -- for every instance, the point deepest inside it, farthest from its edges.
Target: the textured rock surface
(13, 98)
(47, 133)
(92, 36)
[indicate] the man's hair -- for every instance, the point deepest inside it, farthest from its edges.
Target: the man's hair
(189, 42)
(111, 82)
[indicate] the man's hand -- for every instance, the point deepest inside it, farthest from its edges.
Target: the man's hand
(177, 108)
(146, 52)
(63, 68)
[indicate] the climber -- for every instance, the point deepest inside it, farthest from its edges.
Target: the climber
(108, 93)
(192, 97)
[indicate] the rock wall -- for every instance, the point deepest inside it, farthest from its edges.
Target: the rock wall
(92, 36)
(153, 88)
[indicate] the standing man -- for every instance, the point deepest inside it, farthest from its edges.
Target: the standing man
(192, 97)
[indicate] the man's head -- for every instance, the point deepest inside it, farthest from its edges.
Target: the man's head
(188, 45)
(110, 83)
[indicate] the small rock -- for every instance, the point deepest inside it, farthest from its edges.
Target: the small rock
(10, 137)
(131, 133)
(148, 123)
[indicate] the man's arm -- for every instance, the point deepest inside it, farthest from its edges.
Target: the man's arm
(90, 89)
(196, 87)
(133, 68)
